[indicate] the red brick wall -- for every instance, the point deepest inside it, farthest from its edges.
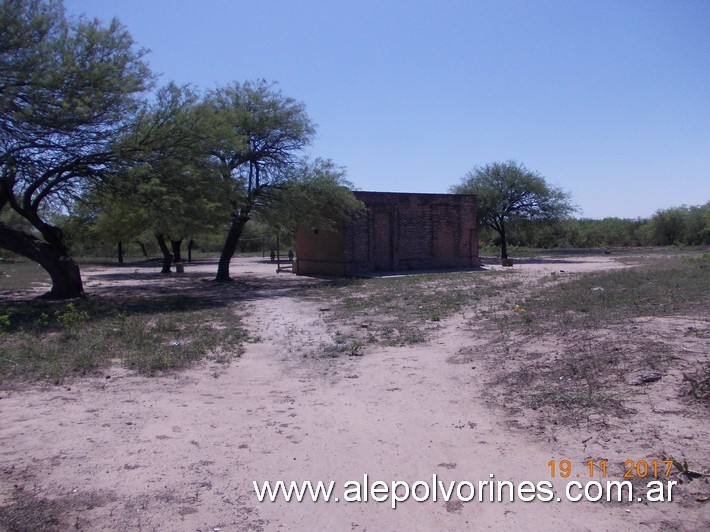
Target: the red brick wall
(319, 251)
(398, 232)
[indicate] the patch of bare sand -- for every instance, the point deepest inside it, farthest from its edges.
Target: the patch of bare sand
(181, 452)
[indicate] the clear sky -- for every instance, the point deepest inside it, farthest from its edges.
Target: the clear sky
(609, 100)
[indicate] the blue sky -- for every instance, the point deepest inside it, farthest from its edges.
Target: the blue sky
(609, 100)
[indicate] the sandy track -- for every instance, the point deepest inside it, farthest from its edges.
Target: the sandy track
(181, 452)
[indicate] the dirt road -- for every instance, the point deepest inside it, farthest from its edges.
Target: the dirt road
(181, 452)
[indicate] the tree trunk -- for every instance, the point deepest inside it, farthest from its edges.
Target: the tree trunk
(176, 245)
(64, 272)
(120, 252)
(230, 246)
(66, 278)
(190, 245)
(167, 257)
(503, 242)
(143, 250)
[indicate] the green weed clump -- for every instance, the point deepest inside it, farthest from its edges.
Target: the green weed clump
(71, 316)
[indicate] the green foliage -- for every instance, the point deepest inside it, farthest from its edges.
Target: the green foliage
(42, 321)
(70, 90)
(681, 225)
(511, 192)
(175, 190)
(257, 137)
(508, 193)
(581, 233)
(181, 187)
(675, 226)
(256, 133)
(314, 194)
(71, 316)
(258, 236)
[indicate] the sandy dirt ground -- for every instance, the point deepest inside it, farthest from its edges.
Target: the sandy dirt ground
(118, 451)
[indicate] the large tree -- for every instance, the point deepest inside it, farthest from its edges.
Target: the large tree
(258, 135)
(175, 182)
(68, 90)
(508, 193)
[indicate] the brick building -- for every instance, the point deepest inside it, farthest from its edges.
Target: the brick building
(397, 232)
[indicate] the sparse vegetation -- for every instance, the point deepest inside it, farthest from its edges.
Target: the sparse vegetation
(565, 399)
(343, 344)
(593, 322)
(30, 510)
(700, 383)
(55, 342)
(554, 357)
(403, 310)
(660, 287)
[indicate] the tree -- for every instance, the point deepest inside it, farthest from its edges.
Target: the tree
(681, 225)
(315, 193)
(103, 221)
(698, 225)
(508, 192)
(258, 134)
(68, 90)
(175, 183)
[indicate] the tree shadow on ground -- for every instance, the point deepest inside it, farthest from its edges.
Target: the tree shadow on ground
(133, 290)
(129, 293)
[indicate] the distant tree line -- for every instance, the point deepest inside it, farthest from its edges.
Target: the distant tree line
(683, 225)
(517, 206)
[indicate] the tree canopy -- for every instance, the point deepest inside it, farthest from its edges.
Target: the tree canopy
(78, 134)
(175, 183)
(68, 90)
(510, 193)
(314, 193)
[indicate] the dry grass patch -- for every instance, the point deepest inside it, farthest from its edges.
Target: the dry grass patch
(620, 357)
(599, 319)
